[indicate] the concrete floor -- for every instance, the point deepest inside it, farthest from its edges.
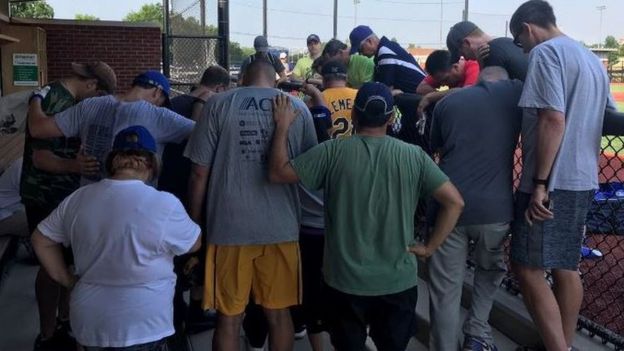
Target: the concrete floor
(19, 321)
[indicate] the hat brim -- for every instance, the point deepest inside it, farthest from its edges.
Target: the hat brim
(355, 49)
(82, 70)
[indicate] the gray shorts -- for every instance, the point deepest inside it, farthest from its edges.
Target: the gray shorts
(555, 243)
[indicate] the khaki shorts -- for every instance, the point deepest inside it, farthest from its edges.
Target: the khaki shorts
(270, 273)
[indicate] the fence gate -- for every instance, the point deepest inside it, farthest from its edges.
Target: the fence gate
(195, 36)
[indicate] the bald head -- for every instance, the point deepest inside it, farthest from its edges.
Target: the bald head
(493, 74)
(259, 72)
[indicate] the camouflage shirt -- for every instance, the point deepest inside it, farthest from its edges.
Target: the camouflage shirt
(38, 187)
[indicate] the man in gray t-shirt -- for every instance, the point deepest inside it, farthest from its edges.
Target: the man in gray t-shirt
(569, 88)
(475, 130)
(96, 121)
(252, 225)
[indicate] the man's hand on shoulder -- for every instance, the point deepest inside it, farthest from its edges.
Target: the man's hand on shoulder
(283, 111)
(40, 93)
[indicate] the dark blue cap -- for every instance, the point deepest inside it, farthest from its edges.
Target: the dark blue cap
(374, 91)
(357, 36)
(155, 79)
(135, 138)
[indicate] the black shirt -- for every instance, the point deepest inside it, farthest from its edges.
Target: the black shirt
(504, 53)
(176, 168)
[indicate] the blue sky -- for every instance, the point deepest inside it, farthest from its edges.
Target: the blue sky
(410, 21)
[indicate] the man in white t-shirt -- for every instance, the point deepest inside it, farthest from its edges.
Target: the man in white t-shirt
(124, 235)
(12, 215)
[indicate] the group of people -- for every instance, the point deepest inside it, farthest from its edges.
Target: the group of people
(306, 207)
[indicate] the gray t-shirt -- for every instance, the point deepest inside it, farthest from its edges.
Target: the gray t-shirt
(233, 139)
(564, 76)
(476, 131)
(98, 120)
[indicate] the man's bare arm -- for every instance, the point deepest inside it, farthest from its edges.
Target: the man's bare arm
(451, 207)
(39, 124)
(198, 183)
(280, 169)
(424, 88)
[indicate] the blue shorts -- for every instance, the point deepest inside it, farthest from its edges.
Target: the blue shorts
(554, 243)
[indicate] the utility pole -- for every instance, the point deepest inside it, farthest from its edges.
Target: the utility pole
(335, 19)
(264, 18)
(601, 8)
(355, 3)
(441, 20)
(466, 6)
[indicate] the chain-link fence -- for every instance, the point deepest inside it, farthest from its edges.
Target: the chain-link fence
(602, 264)
(191, 41)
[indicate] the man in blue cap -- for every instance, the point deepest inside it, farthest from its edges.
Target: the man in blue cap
(97, 120)
(369, 265)
(394, 67)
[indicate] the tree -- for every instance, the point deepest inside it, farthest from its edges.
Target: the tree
(149, 13)
(611, 43)
(85, 17)
(34, 9)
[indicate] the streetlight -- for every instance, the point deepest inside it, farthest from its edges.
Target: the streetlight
(601, 8)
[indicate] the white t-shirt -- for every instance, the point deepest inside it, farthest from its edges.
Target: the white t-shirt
(124, 235)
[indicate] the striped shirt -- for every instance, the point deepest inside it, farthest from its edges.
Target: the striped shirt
(395, 67)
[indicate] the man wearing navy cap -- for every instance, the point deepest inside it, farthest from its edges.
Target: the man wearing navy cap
(303, 68)
(394, 67)
(370, 264)
(97, 120)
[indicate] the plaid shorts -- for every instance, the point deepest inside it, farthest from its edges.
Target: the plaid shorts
(554, 243)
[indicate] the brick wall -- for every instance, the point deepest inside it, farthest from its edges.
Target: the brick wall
(129, 50)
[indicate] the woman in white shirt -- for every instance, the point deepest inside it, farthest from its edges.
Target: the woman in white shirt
(124, 235)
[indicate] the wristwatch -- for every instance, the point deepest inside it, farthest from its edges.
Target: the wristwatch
(537, 181)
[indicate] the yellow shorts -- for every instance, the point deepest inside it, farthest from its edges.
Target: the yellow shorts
(271, 273)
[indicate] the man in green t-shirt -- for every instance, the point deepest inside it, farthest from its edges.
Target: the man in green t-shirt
(360, 69)
(50, 172)
(303, 68)
(372, 184)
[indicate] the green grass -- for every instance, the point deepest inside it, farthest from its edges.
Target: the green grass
(617, 88)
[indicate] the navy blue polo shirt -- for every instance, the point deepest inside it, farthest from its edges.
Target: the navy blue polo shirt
(395, 67)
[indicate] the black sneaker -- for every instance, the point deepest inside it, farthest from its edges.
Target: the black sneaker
(49, 344)
(64, 335)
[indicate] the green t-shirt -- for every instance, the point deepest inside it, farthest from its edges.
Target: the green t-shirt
(303, 68)
(360, 70)
(371, 186)
(37, 186)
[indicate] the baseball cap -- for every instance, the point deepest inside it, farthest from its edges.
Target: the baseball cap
(357, 36)
(97, 70)
(155, 79)
(374, 92)
(261, 44)
(456, 35)
(135, 138)
(283, 55)
(334, 67)
(313, 37)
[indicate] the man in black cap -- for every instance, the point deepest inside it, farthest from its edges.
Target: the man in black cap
(303, 68)
(261, 45)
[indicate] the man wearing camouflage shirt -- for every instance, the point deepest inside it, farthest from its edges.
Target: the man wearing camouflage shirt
(51, 171)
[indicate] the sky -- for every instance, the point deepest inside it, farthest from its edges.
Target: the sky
(420, 22)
